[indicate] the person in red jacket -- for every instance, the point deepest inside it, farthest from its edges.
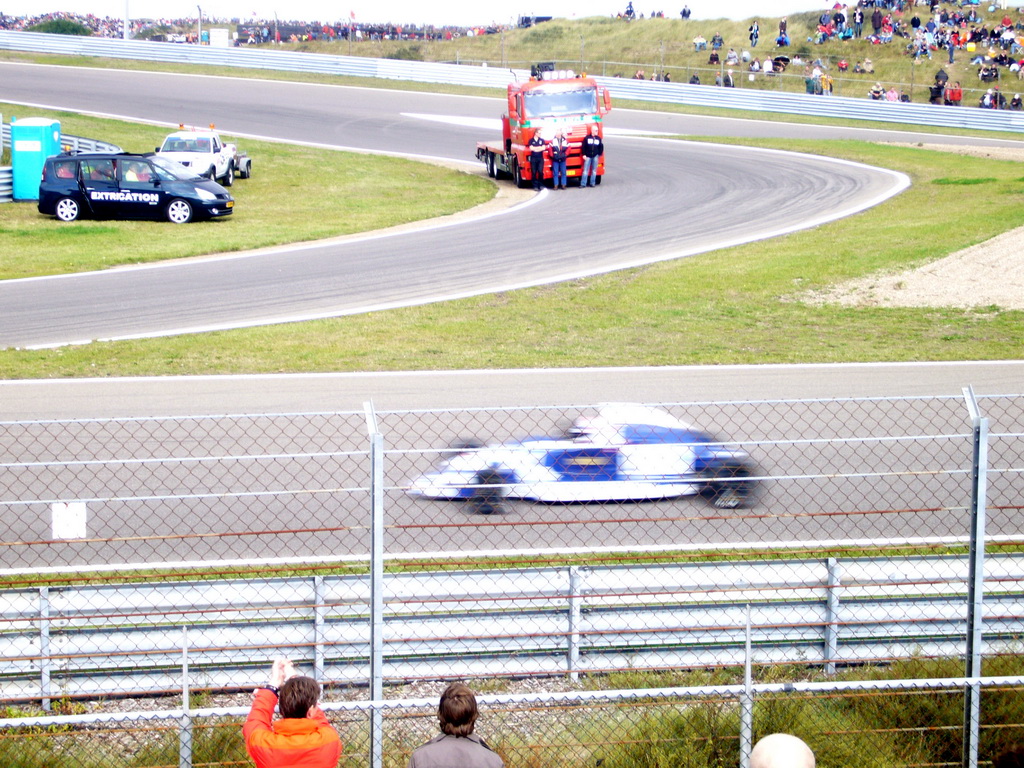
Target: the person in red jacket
(302, 737)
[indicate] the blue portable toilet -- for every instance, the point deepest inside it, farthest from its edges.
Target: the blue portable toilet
(32, 141)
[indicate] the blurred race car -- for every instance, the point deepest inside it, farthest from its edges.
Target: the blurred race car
(626, 452)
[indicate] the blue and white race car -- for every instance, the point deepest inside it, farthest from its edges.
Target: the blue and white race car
(626, 452)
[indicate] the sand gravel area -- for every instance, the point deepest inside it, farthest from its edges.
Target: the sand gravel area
(984, 275)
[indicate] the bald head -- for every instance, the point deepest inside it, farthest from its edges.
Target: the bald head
(780, 750)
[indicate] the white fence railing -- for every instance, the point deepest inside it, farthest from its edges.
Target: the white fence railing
(494, 77)
(564, 620)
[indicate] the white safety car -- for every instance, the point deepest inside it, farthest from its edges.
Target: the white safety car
(626, 452)
(207, 155)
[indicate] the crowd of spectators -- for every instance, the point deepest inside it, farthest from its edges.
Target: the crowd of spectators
(253, 29)
(922, 28)
(259, 31)
(102, 27)
(994, 48)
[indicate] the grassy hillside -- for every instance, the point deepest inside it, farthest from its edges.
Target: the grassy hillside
(614, 47)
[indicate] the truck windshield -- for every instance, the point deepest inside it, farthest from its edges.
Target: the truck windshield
(575, 101)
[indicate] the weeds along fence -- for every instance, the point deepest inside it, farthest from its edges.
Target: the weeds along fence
(869, 599)
(771, 99)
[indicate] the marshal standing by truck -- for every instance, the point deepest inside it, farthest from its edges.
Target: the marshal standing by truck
(550, 101)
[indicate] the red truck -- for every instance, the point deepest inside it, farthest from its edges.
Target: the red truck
(549, 101)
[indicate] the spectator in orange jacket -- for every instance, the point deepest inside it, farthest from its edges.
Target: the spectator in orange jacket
(302, 738)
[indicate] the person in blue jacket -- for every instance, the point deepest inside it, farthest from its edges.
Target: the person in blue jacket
(593, 149)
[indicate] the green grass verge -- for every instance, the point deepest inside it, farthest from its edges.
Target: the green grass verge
(413, 564)
(296, 194)
(739, 305)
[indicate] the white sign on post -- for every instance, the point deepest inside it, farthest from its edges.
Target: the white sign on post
(69, 520)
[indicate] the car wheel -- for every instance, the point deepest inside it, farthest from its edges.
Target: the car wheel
(735, 491)
(245, 170)
(517, 175)
(489, 491)
(490, 165)
(179, 211)
(229, 177)
(67, 209)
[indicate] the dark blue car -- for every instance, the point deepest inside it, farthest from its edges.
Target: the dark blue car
(124, 186)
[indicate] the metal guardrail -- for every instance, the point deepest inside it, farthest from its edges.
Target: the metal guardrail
(67, 142)
(563, 621)
(82, 144)
(493, 77)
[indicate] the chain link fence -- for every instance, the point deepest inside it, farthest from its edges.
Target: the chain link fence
(596, 579)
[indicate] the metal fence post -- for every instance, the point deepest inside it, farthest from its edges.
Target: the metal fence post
(575, 616)
(44, 647)
(376, 588)
(185, 741)
(975, 582)
(747, 701)
(185, 730)
(832, 616)
(319, 623)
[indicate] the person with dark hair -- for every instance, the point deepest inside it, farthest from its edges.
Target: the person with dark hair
(457, 746)
(302, 736)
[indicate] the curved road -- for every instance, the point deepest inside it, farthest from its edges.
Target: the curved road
(663, 199)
